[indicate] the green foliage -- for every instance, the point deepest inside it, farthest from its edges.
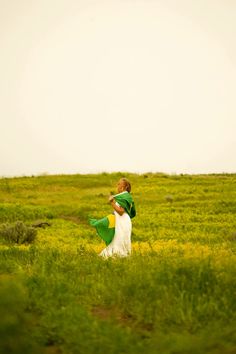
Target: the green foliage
(18, 233)
(174, 295)
(14, 212)
(15, 324)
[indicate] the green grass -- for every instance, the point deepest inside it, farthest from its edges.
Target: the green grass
(175, 294)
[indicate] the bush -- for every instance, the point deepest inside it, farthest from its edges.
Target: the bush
(18, 233)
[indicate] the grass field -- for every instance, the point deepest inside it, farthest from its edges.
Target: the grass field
(175, 294)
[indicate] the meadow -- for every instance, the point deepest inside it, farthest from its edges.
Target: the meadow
(176, 293)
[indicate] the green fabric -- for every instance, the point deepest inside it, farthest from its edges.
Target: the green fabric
(102, 227)
(125, 200)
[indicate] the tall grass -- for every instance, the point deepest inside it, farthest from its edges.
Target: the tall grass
(175, 294)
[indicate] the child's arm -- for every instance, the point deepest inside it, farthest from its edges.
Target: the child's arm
(116, 207)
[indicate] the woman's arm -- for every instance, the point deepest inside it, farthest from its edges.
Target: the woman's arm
(116, 207)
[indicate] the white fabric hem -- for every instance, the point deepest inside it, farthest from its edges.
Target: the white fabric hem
(121, 243)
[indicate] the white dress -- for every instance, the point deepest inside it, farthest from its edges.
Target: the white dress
(121, 243)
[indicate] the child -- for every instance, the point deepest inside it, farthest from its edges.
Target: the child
(124, 209)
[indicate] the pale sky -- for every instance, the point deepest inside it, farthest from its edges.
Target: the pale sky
(117, 85)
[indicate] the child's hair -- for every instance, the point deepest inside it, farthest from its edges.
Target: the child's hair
(126, 184)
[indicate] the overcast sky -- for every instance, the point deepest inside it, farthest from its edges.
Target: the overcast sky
(117, 85)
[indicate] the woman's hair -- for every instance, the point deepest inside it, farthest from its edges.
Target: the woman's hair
(126, 184)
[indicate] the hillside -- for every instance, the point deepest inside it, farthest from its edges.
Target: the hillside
(175, 294)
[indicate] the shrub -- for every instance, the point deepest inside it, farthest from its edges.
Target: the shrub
(169, 198)
(18, 233)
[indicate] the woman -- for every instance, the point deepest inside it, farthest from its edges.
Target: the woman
(119, 243)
